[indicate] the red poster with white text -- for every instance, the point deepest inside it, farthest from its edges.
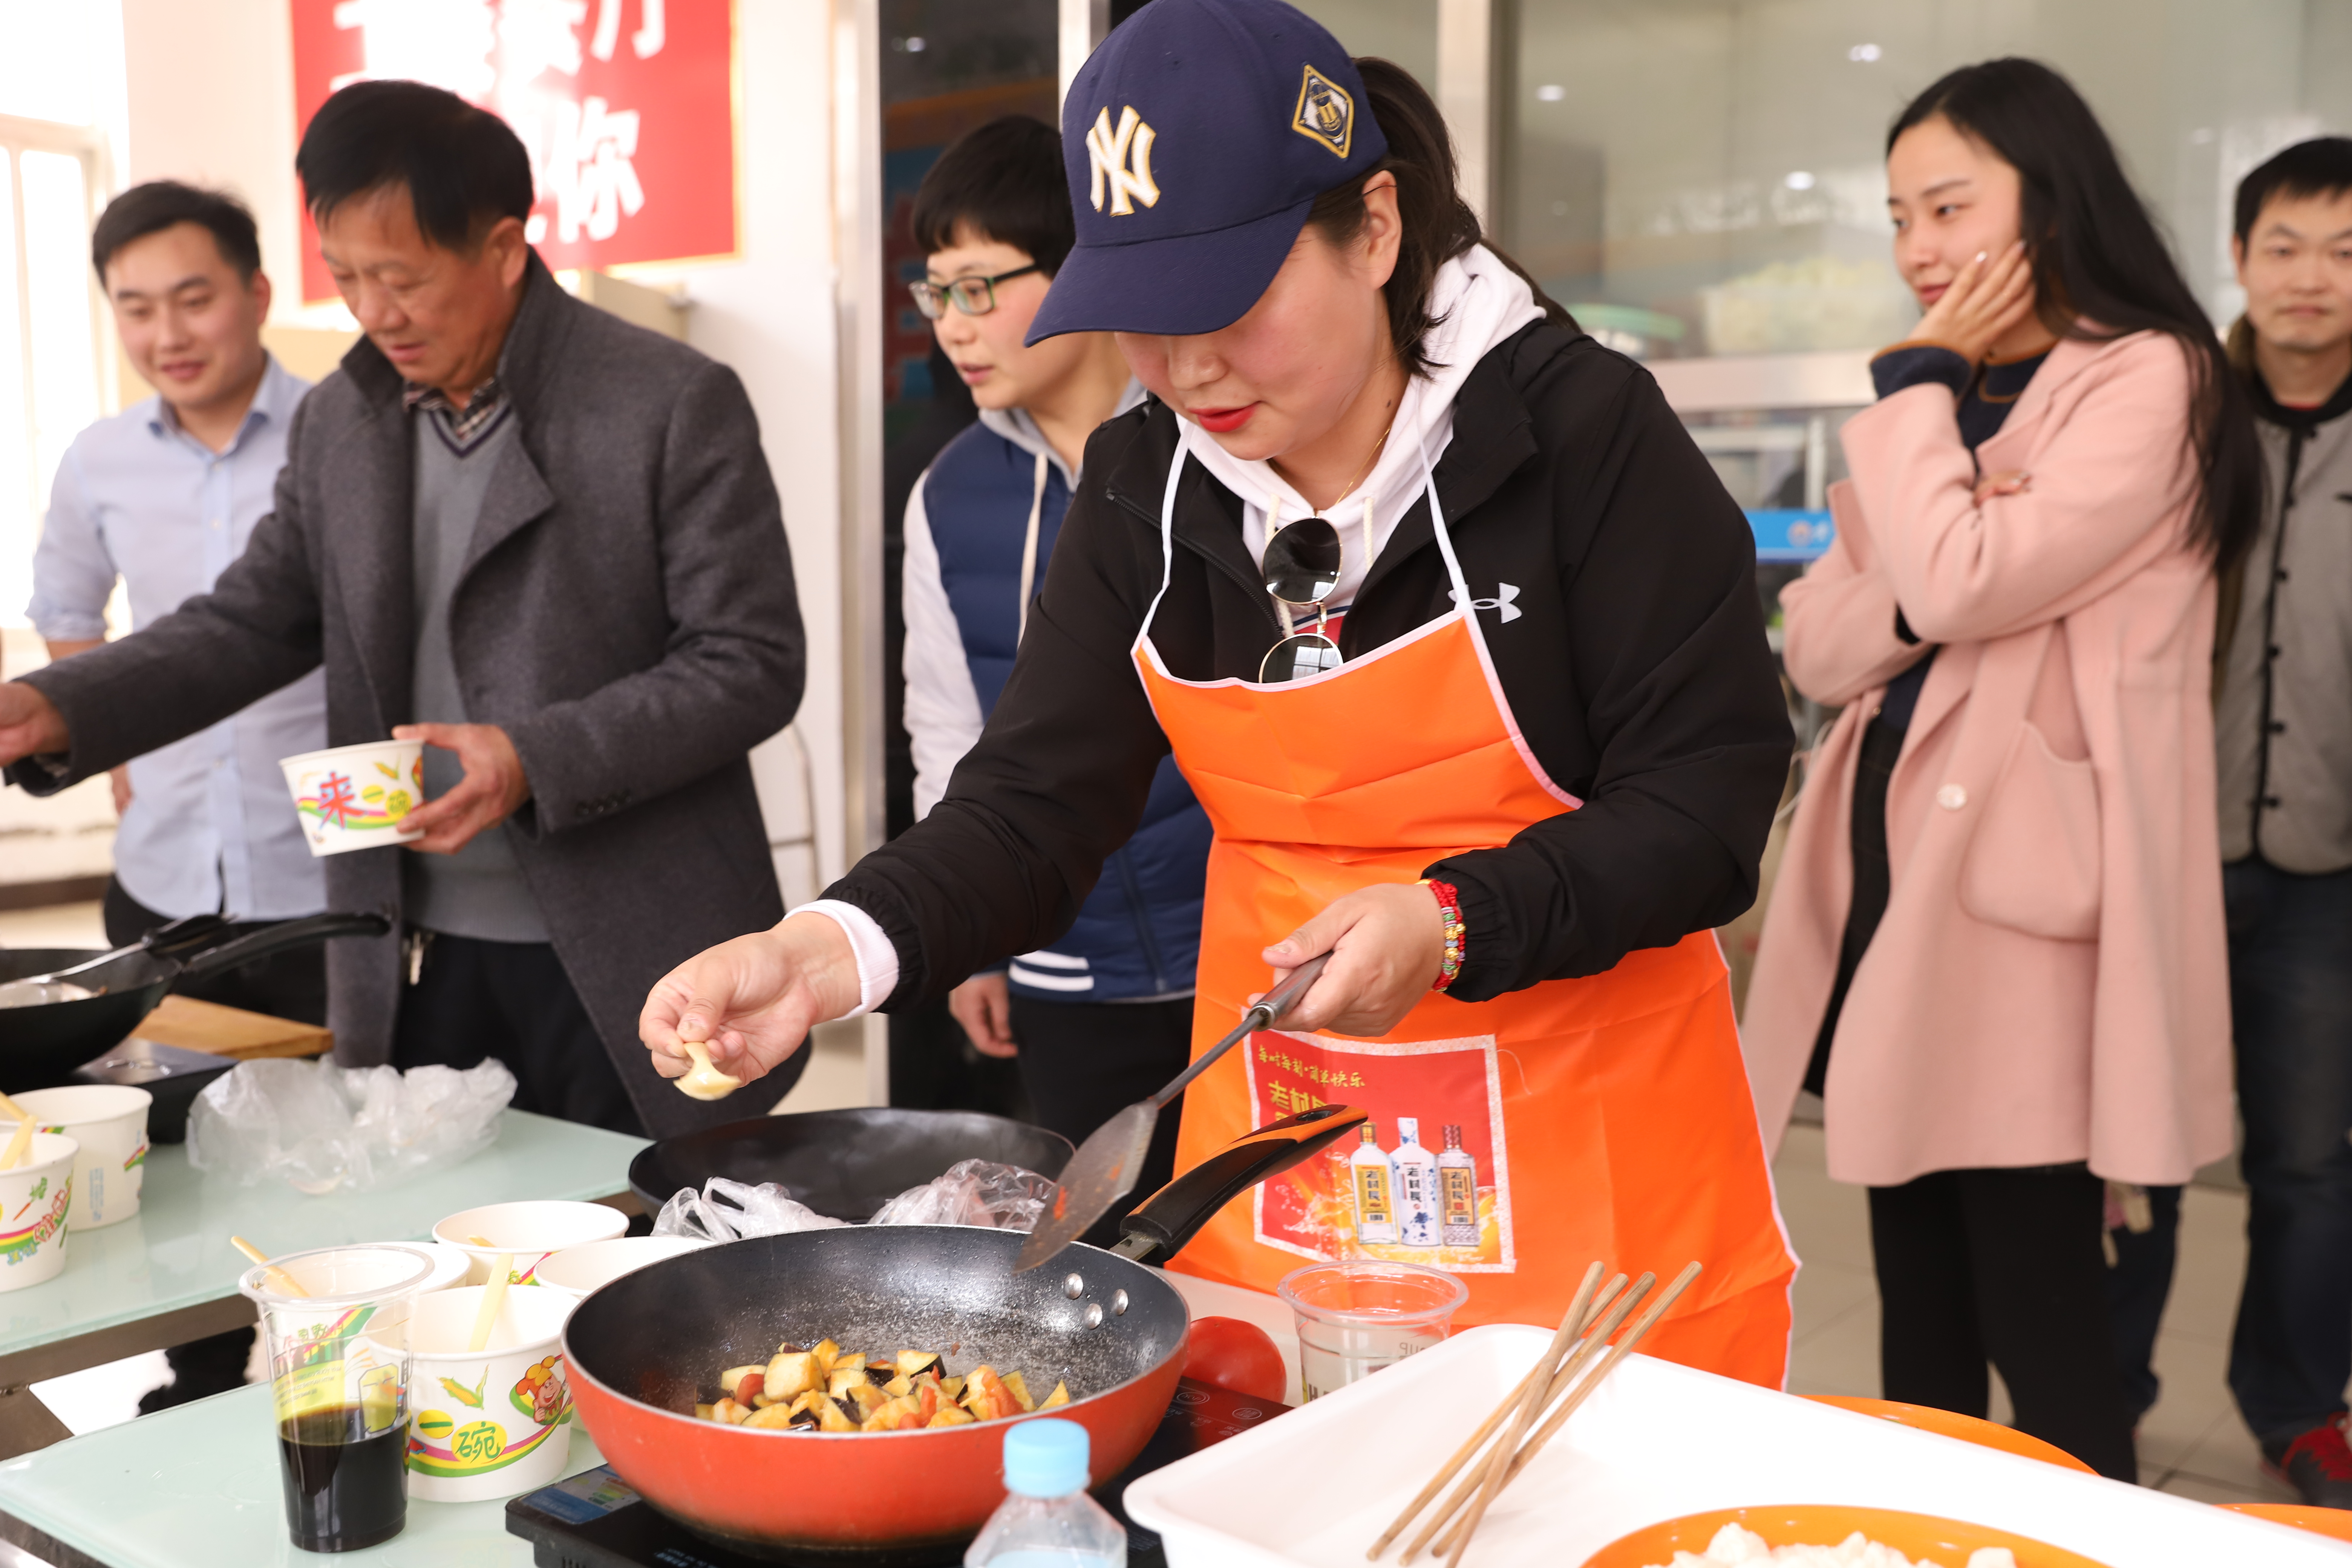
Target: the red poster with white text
(1430, 1185)
(626, 108)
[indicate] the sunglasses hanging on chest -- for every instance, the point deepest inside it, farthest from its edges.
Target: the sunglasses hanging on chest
(1301, 568)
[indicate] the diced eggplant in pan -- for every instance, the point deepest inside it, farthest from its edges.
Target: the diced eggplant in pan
(823, 1388)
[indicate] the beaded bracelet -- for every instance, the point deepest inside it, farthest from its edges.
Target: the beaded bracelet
(1449, 909)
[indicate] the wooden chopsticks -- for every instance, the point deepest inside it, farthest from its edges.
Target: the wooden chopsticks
(1575, 1351)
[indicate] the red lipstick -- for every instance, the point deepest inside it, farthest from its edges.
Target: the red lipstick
(1221, 421)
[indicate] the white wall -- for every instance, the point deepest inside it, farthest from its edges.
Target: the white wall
(212, 99)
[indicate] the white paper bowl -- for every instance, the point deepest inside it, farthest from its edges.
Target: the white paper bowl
(355, 797)
(527, 1232)
(491, 1423)
(450, 1266)
(34, 1200)
(577, 1270)
(109, 1121)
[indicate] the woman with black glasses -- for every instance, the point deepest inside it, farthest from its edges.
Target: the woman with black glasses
(1455, 636)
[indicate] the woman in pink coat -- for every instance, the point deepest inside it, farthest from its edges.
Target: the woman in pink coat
(1996, 941)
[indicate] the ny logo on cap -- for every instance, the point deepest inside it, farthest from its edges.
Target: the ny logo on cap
(1108, 155)
(1326, 114)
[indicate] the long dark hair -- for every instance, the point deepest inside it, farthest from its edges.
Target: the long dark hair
(2100, 269)
(1438, 224)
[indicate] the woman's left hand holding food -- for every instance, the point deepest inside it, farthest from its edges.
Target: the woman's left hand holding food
(1387, 945)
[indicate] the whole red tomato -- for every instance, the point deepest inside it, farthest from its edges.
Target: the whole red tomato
(1231, 1354)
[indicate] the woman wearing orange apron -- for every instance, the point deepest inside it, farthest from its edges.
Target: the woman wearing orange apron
(1454, 636)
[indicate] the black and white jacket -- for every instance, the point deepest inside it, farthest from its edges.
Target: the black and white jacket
(1616, 586)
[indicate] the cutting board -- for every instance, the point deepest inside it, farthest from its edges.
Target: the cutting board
(196, 1026)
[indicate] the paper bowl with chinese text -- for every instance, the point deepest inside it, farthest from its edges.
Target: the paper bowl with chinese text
(356, 797)
(495, 1422)
(526, 1232)
(34, 1198)
(109, 1123)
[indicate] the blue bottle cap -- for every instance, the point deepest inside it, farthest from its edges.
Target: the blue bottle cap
(1047, 1459)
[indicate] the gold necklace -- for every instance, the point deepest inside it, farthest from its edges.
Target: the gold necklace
(1378, 447)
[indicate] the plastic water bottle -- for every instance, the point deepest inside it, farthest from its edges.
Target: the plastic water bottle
(1048, 1520)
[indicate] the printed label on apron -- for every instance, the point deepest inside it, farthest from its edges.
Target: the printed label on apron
(1431, 1184)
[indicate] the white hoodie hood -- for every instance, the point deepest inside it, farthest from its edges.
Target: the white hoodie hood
(1481, 303)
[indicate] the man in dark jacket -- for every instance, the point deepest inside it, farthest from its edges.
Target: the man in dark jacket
(545, 542)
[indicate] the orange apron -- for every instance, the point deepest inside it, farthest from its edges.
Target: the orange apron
(1603, 1118)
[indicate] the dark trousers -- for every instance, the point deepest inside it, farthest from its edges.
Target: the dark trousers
(2290, 1004)
(2138, 1280)
(1084, 1062)
(284, 985)
(511, 1000)
(2003, 1265)
(933, 1067)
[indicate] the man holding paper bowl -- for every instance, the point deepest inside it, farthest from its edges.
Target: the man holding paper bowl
(544, 543)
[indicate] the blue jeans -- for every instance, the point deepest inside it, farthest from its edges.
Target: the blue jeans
(2291, 1002)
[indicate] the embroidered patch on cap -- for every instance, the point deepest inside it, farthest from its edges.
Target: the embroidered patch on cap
(1326, 114)
(1108, 156)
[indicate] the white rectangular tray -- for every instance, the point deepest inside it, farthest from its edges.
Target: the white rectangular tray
(1654, 1443)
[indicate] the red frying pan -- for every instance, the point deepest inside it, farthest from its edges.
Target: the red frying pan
(644, 1349)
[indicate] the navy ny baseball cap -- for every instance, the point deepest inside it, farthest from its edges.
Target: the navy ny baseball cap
(1196, 139)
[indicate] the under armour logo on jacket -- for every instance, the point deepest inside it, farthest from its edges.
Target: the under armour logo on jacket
(1108, 155)
(1505, 595)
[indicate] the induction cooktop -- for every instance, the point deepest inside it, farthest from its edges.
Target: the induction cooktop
(594, 1519)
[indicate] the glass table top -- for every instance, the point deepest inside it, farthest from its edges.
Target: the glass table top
(175, 1251)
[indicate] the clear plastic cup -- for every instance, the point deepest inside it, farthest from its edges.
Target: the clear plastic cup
(339, 1362)
(1356, 1318)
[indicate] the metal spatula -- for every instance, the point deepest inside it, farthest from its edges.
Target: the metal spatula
(1104, 1169)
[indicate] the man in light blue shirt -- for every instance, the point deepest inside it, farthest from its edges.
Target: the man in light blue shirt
(164, 495)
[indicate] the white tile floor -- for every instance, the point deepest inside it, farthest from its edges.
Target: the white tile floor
(2191, 1443)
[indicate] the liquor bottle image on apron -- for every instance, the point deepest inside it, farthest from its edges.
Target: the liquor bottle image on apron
(1416, 1170)
(1373, 1182)
(1457, 1191)
(1617, 1104)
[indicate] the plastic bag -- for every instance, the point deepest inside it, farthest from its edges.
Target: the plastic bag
(972, 1192)
(324, 1128)
(730, 1211)
(978, 1193)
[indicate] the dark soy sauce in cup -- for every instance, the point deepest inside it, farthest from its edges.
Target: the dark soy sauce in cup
(344, 1489)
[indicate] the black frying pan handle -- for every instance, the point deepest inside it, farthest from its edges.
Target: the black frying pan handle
(187, 934)
(279, 938)
(1169, 1218)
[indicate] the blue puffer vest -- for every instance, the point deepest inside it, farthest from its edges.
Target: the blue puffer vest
(1139, 932)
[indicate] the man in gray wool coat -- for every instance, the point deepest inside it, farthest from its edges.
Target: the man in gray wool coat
(545, 542)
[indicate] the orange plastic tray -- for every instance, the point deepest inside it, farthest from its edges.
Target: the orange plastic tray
(1946, 1542)
(2330, 1521)
(1967, 1429)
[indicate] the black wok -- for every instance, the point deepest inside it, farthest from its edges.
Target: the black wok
(842, 1164)
(41, 1045)
(643, 1350)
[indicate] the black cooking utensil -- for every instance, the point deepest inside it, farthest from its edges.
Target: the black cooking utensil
(41, 1045)
(1104, 1169)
